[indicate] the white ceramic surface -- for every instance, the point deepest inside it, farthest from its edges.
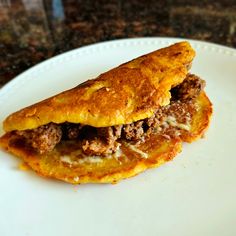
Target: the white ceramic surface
(195, 194)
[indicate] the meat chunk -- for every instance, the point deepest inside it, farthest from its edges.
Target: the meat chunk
(154, 121)
(110, 134)
(181, 111)
(71, 131)
(134, 131)
(189, 89)
(98, 146)
(43, 138)
(167, 120)
(104, 143)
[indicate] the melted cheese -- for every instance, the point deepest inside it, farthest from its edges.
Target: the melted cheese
(171, 120)
(91, 159)
(135, 149)
(67, 159)
(87, 159)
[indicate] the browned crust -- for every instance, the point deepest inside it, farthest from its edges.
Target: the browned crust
(159, 150)
(110, 171)
(201, 119)
(122, 95)
(127, 93)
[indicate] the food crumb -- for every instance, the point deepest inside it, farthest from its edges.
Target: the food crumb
(23, 166)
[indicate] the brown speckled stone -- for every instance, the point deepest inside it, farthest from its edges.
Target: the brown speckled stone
(32, 31)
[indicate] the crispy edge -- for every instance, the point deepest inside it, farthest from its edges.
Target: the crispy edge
(200, 125)
(104, 102)
(201, 120)
(34, 162)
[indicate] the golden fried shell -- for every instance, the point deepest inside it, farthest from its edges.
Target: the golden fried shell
(67, 163)
(125, 94)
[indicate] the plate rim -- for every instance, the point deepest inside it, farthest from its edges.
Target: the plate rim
(89, 48)
(197, 44)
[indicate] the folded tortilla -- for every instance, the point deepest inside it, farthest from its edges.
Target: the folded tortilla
(131, 92)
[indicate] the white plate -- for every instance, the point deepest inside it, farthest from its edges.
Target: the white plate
(193, 195)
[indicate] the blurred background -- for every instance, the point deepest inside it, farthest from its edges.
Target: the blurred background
(34, 30)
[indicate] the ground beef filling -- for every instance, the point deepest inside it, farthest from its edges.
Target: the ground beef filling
(169, 121)
(44, 138)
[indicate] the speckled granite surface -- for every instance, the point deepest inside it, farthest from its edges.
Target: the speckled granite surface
(34, 30)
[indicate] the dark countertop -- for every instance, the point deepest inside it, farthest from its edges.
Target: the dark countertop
(32, 31)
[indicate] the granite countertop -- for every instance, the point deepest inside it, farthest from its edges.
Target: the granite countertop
(32, 31)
